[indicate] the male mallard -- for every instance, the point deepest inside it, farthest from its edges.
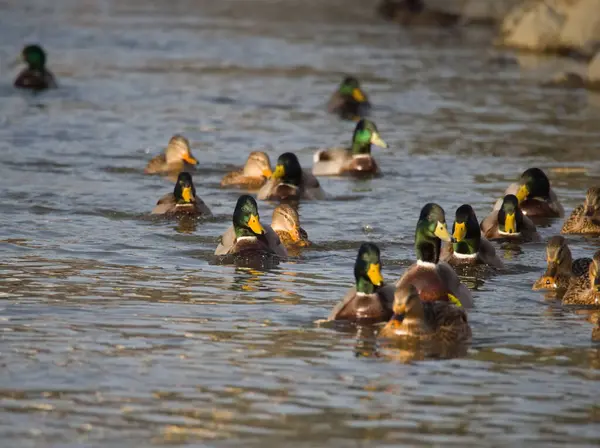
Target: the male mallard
(369, 300)
(536, 198)
(36, 76)
(585, 218)
(183, 200)
(177, 157)
(349, 101)
(438, 321)
(286, 223)
(561, 267)
(247, 234)
(585, 290)
(290, 181)
(434, 279)
(509, 222)
(469, 247)
(253, 175)
(356, 159)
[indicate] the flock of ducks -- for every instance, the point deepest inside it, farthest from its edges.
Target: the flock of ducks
(429, 301)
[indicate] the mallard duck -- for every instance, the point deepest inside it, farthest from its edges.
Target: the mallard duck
(247, 234)
(253, 175)
(35, 76)
(349, 101)
(469, 247)
(536, 198)
(434, 279)
(439, 321)
(369, 300)
(585, 218)
(183, 200)
(290, 181)
(286, 223)
(354, 160)
(561, 267)
(177, 157)
(585, 290)
(509, 222)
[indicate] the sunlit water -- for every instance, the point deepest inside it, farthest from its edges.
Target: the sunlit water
(118, 329)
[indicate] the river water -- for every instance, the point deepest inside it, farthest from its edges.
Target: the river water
(120, 330)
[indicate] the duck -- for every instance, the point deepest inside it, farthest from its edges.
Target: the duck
(35, 76)
(183, 200)
(286, 223)
(585, 218)
(585, 289)
(253, 175)
(248, 235)
(438, 321)
(370, 300)
(356, 159)
(468, 246)
(536, 197)
(509, 222)
(176, 158)
(434, 279)
(349, 101)
(290, 182)
(561, 266)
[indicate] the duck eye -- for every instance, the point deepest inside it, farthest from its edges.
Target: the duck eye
(548, 281)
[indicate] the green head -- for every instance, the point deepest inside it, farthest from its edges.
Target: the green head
(34, 56)
(465, 231)
(431, 229)
(510, 216)
(246, 221)
(365, 134)
(533, 184)
(288, 169)
(185, 192)
(350, 87)
(367, 269)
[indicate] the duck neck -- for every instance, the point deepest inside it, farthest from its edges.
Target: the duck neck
(428, 249)
(468, 246)
(360, 148)
(364, 285)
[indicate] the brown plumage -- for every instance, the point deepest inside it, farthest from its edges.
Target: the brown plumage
(286, 223)
(183, 200)
(561, 267)
(253, 175)
(585, 218)
(176, 158)
(585, 289)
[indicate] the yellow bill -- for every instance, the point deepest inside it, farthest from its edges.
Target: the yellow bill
(510, 225)
(522, 193)
(267, 173)
(374, 274)
(255, 225)
(358, 95)
(189, 159)
(452, 298)
(279, 172)
(377, 140)
(460, 231)
(187, 194)
(441, 231)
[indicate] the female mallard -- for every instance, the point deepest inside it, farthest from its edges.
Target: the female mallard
(349, 101)
(356, 159)
(509, 222)
(434, 279)
(585, 218)
(247, 234)
(253, 175)
(469, 247)
(183, 200)
(536, 198)
(369, 301)
(585, 290)
(286, 223)
(561, 267)
(177, 157)
(290, 181)
(438, 321)
(36, 76)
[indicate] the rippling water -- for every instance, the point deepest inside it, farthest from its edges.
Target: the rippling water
(119, 330)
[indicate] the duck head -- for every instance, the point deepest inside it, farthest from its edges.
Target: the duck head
(367, 269)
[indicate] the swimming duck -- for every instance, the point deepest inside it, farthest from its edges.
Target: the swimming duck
(536, 198)
(585, 290)
(290, 181)
(247, 234)
(369, 301)
(36, 76)
(439, 321)
(434, 279)
(349, 101)
(253, 175)
(509, 222)
(469, 247)
(286, 223)
(177, 157)
(183, 200)
(585, 218)
(356, 159)
(561, 267)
